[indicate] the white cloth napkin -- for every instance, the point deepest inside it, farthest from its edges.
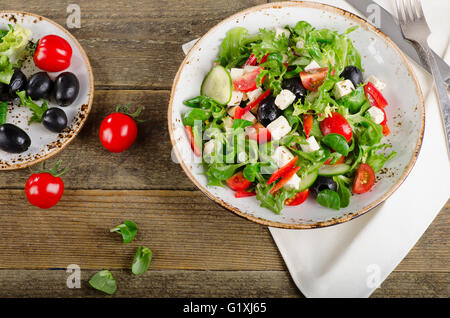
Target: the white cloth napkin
(353, 259)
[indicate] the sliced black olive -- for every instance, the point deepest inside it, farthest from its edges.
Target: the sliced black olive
(13, 139)
(268, 111)
(39, 86)
(323, 183)
(18, 82)
(352, 73)
(54, 119)
(295, 86)
(67, 88)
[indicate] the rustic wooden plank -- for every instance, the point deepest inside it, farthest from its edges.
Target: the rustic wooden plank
(137, 43)
(184, 229)
(183, 283)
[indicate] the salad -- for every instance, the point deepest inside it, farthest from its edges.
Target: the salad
(286, 114)
(51, 53)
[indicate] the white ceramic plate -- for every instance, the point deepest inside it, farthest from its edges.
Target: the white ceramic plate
(44, 143)
(380, 57)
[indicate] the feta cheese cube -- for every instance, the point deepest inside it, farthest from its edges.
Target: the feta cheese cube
(280, 31)
(311, 146)
(210, 146)
(300, 44)
(249, 116)
(228, 122)
(284, 99)
(312, 65)
(250, 68)
(279, 128)
(235, 73)
(343, 88)
(376, 82)
(236, 98)
(252, 95)
(376, 114)
(282, 156)
(293, 183)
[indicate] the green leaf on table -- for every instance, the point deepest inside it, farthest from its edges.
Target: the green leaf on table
(141, 260)
(104, 282)
(128, 230)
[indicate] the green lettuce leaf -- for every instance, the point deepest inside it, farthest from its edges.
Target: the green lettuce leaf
(15, 43)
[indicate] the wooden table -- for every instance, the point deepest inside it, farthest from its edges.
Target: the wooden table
(200, 249)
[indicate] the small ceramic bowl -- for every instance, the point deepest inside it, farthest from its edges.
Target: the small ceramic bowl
(45, 144)
(380, 57)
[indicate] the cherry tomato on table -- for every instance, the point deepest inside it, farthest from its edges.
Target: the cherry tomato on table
(364, 179)
(337, 124)
(118, 130)
(53, 54)
(44, 189)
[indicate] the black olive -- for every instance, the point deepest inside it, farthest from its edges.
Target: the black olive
(67, 88)
(39, 86)
(295, 86)
(13, 139)
(268, 111)
(352, 73)
(4, 93)
(18, 82)
(54, 119)
(323, 183)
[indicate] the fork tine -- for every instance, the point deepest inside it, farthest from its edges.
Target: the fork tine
(409, 12)
(399, 8)
(419, 8)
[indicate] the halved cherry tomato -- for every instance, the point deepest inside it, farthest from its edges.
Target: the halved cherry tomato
(364, 179)
(239, 112)
(244, 194)
(307, 123)
(237, 182)
(337, 124)
(374, 96)
(52, 54)
(312, 79)
(298, 199)
(190, 136)
(259, 133)
(284, 180)
(283, 170)
(247, 82)
(252, 60)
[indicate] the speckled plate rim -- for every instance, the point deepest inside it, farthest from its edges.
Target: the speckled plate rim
(345, 218)
(66, 141)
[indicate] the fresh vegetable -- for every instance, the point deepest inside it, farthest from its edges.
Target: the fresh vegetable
(39, 86)
(118, 131)
(104, 282)
(6, 70)
(374, 96)
(352, 73)
(217, 85)
(141, 260)
(247, 82)
(336, 124)
(193, 143)
(268, 111)
(53, 54)
(284, 179)
(308, 121)
(45, 188)
(258, 133)
(238, 182)
(312, 79)
(334, 170)
(329, 199)
(298, 199)
(15, 44)
(128, 229)
(282, 171)
(241, 111)
(66, 88)
(244, 194)
(18, 82)
(364, 180)
(323, 183)
(295, 86)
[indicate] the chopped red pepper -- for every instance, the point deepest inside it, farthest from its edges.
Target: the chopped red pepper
(283, 170)
(243, 194)
(239, 112)
(264, 59)
(194, 146)
(374, 96)
(251, 60)
(284, 180)
(307, 123)
(298, 199)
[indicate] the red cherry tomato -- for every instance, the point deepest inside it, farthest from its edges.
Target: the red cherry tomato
(312, 79)
(259, 133)
(244, 194)
(44, 190)
(364, 179)
(298, 199)
(53, 54)
(247, 82)
(337, 124)
(237, 182)
(307, 123)
(118, 132)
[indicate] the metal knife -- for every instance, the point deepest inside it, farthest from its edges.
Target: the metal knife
(389, 26)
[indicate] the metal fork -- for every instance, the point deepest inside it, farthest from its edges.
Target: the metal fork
(415, 28)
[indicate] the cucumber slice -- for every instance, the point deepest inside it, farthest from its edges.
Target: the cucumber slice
(218, 85)
(334, 170)
(308, 180)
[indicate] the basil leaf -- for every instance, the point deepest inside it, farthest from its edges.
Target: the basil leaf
(194, 114)
(343, 191)
(222, 171)
(128, 230)
(329, 199)
(104, 282)
(251, 170)
(141, 260)
(337, 142)
(241, 123)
